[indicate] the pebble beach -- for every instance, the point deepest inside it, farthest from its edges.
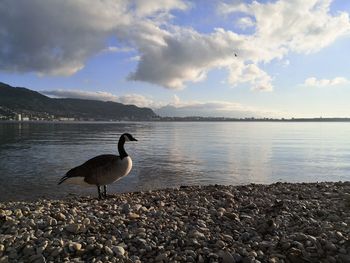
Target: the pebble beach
(281, 222)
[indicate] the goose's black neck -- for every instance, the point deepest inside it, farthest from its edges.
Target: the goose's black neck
(121, 150)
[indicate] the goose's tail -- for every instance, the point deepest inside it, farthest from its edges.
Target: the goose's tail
(64, 178)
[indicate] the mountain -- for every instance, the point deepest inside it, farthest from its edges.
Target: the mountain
(14, 100)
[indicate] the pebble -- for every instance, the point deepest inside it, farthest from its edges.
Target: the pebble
(118, 250)
(161, 257)
(226, 257)
(60, 217)
(73, 228)
(76, 246)
(134, 216)
(86, 221)
(108, 251)
(256, 223)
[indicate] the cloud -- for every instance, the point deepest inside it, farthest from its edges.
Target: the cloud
(245, 22)
(114, 49)
(179, 108)
(184, 55)
(57, 37)
(250, 73)
(140, 101)
(299, 26)
(314, 82)
(147, 8)
(175, 107)
(80, 94)
(135, 99)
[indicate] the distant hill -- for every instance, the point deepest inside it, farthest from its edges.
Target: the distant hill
(21, 100)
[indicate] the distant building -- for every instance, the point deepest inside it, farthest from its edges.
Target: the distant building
(19, 117)
(66, 119)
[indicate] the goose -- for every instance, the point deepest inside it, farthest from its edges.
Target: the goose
(103, 169)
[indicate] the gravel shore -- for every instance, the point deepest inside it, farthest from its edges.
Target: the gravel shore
(282, 222)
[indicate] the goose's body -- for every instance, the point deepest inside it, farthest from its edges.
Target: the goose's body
(103, 169)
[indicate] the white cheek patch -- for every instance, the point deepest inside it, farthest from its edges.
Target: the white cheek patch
(126, 138)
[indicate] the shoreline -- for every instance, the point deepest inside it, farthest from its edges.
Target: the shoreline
(280, 222)
(185, 119)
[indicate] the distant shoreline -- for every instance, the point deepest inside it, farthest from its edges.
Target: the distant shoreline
(186, 119)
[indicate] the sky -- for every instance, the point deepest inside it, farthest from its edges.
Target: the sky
(232, 58)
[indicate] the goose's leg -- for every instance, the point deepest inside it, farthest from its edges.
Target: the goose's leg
(99, 192)
(105, 191)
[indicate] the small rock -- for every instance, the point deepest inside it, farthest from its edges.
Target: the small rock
(108, 251)
(237, 257)
(60, 217)
(331, 247)
(161, 257)
(226, 257)
(28, 250)
(197, 234)
(125, 208)
(345, 258)
(56, 252)
(118, 250)
(220, 244)
(134, 216)
(86, 221)
(339, 235)
(76, 246)
(232, 216)
(52, 222)
(73, 228)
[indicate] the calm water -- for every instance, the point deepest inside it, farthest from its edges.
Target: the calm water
(34, 156)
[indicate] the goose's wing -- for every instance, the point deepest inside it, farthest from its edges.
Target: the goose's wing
(91, 168)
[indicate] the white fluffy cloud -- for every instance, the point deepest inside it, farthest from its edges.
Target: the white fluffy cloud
(174, 108)
(293, 25)
(250, 73)
(314, 82)
(245, 22)
(281, 27)
(184, 55)
(147, 8)
(58, 37)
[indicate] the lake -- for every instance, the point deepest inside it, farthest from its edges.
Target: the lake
(34, 156)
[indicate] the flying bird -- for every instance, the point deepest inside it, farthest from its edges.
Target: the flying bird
(103, 169)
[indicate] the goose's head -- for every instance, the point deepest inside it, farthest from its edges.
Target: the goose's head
(128, 137)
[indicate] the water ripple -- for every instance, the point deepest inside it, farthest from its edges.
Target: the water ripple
(34, 156)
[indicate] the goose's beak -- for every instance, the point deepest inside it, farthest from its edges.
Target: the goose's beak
(134, 140)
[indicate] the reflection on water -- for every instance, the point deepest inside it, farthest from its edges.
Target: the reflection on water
(34, 156)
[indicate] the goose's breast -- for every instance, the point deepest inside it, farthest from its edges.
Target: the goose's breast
(118, 169)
